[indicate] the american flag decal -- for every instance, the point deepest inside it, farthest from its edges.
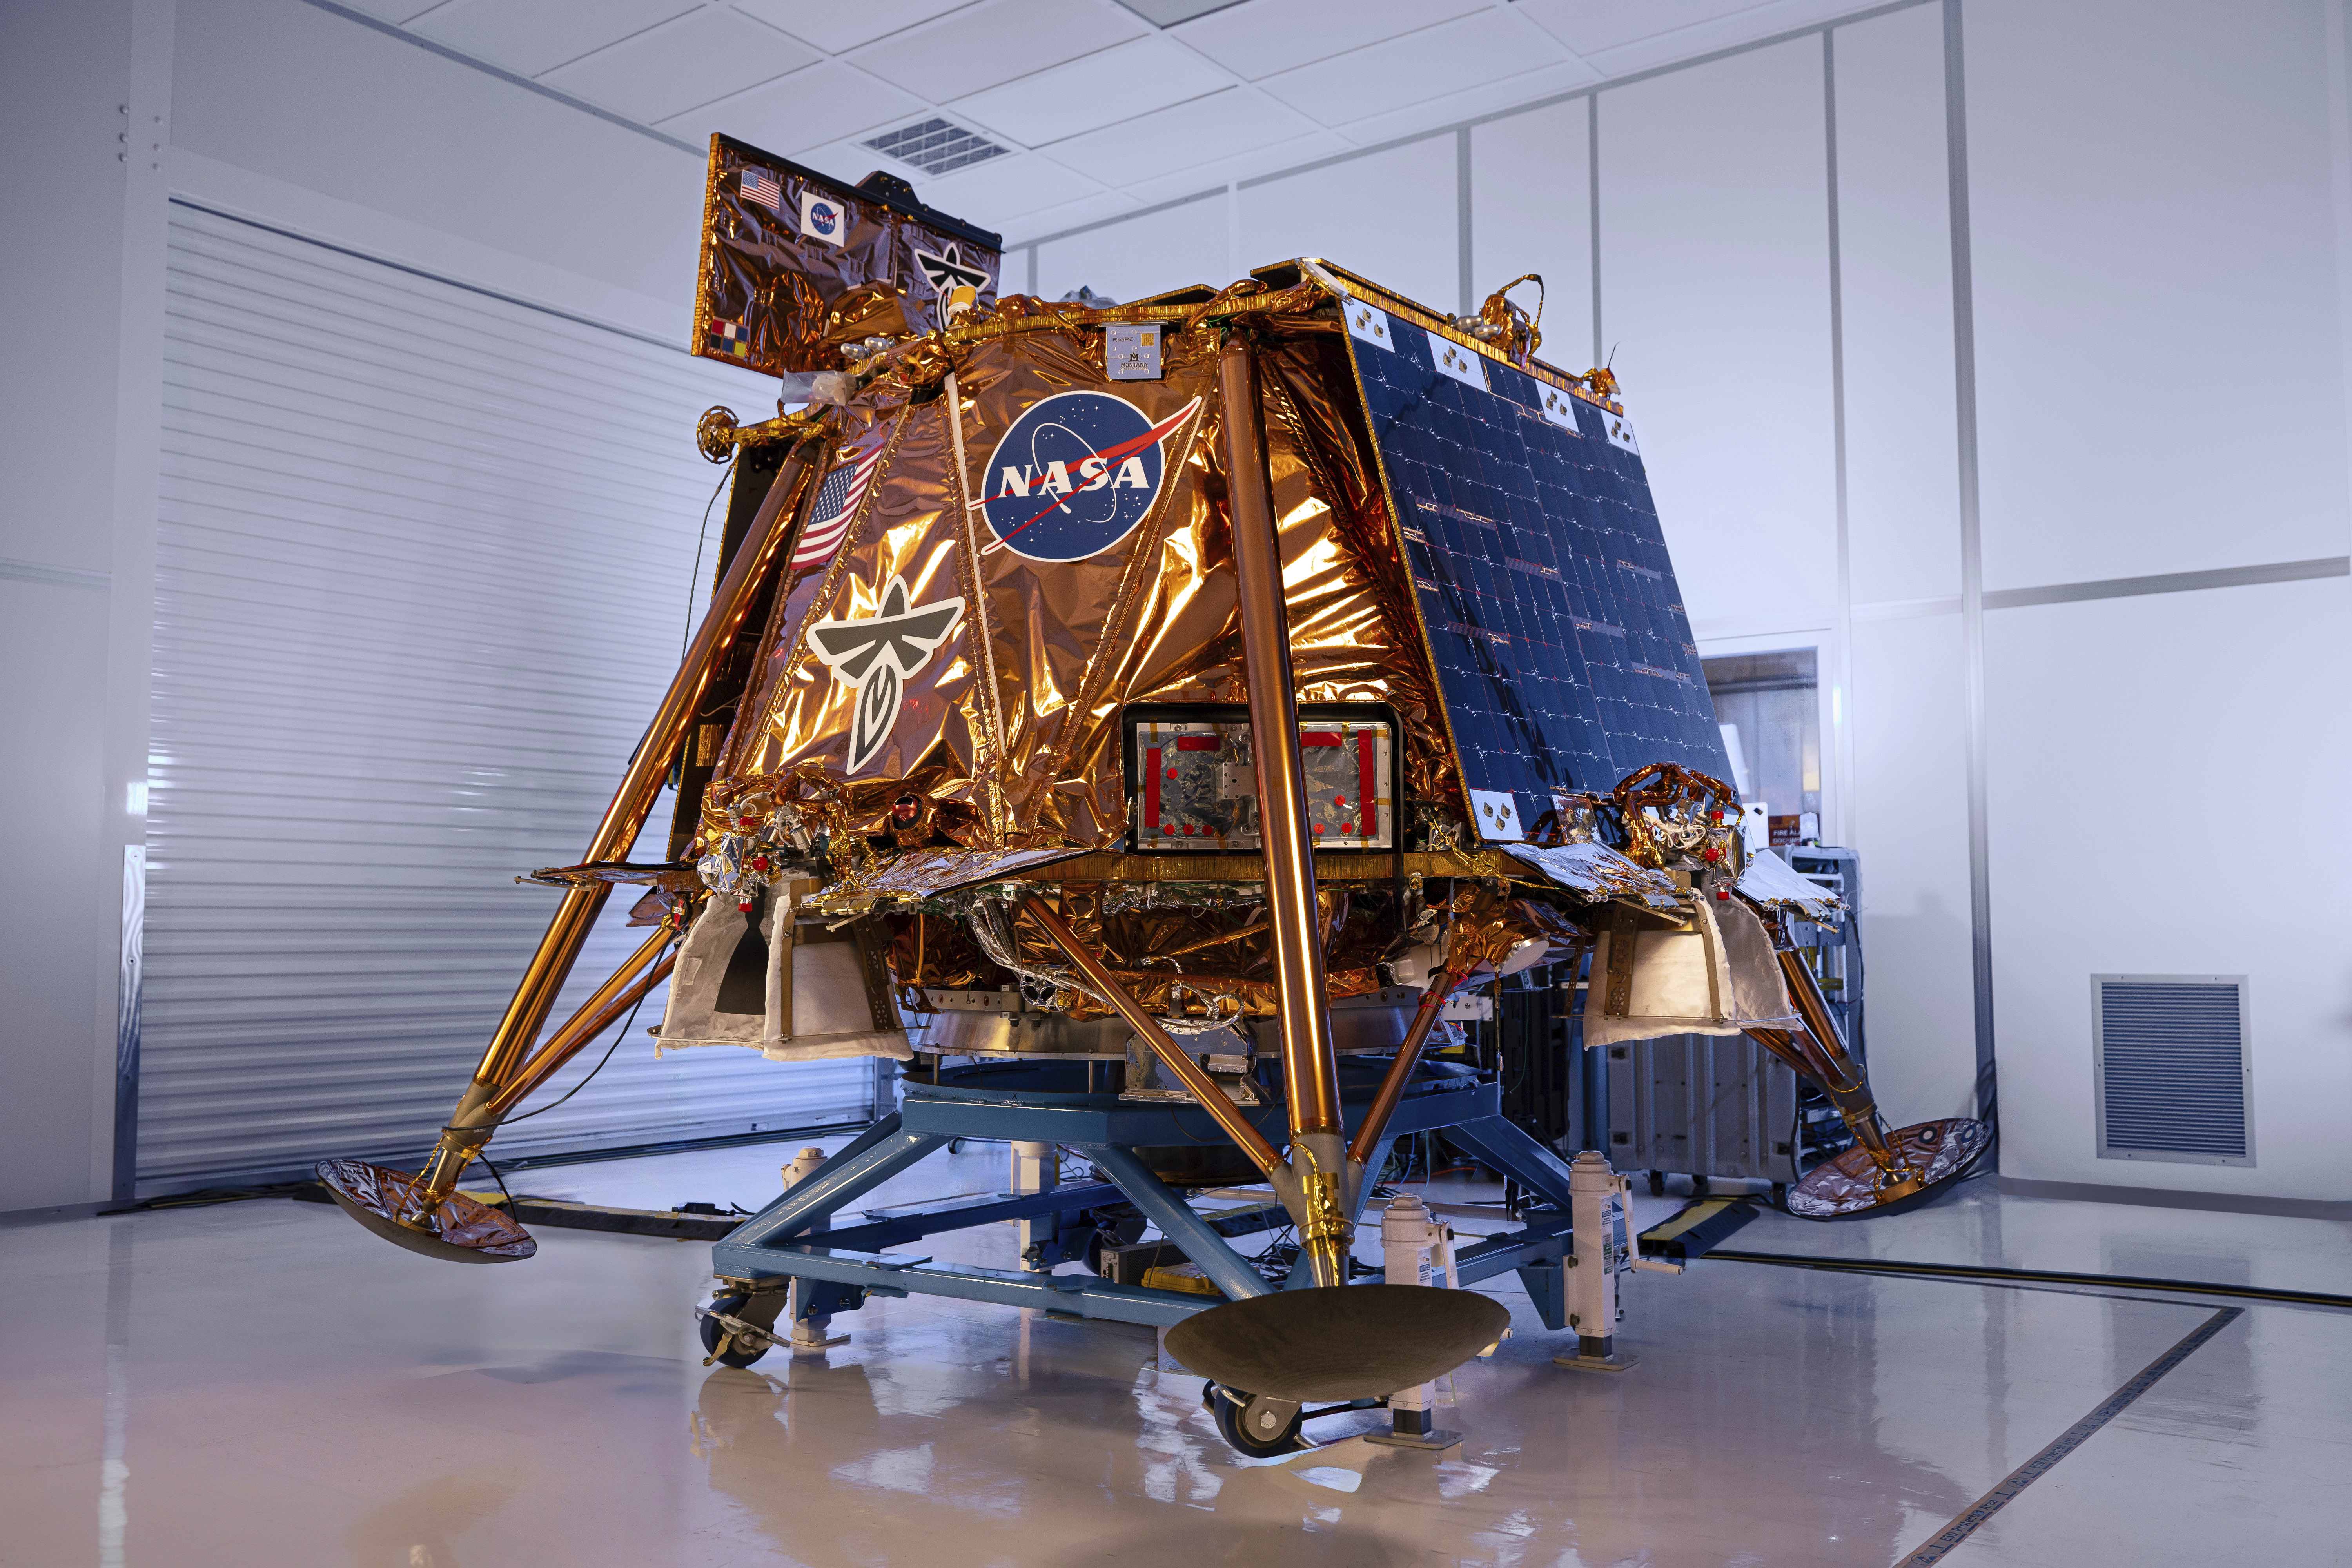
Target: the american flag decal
(836, 503)
(760, 186)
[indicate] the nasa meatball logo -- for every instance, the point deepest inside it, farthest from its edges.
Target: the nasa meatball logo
(1075, 474)
(822, 218)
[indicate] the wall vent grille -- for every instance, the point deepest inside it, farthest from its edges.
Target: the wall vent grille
(2173, 1080)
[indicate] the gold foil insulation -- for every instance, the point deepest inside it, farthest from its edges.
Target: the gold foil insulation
(777, 293)
(1151, 618)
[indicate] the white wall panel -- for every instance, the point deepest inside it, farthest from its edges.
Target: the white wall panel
(63, 80)
(1714, 295)
(1531, 211)
(1392, 216)
(1903, 505)
(300, 95)
(1148, 254)
(1909, 819)
(2158, 350)
(2144, 752)
(424, 560)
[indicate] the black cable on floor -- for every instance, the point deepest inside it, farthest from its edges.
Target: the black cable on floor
(1899, 1269)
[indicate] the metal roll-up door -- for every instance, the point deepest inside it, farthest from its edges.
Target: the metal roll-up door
(425, 559)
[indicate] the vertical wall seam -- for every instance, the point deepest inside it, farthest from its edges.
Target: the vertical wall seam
(1964, 369)
(1592, 194)
(1463, 259)
(1236, 267)
(2339, 167)
(1842, 688)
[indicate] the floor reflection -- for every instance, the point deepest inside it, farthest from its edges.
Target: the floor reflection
(264, 1383)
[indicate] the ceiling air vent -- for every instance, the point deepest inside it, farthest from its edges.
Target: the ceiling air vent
(2172, 1079)
(937, 146)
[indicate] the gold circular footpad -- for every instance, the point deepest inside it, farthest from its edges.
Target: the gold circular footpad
(1934, 1153)
(459, 1230)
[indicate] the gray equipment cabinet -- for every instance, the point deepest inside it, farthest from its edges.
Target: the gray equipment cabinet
(1719, 1106)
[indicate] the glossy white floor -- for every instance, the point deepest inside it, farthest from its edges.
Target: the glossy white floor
(265, 1383)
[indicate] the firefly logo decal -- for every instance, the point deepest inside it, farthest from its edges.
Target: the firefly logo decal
(1075, 474)
(945, 271)
(875, 657)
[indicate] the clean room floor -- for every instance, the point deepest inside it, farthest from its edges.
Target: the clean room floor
(264, 1384)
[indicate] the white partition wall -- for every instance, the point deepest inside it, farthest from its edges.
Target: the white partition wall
(2139, 359)
(1997, 350)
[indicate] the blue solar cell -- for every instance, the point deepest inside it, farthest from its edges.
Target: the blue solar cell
(1562, 650)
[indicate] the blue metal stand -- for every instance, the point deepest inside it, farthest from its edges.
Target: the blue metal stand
(1046, 1102)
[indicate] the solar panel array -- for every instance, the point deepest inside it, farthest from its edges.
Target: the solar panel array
(1562, 648)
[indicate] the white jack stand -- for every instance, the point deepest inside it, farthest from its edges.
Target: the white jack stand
(1602, 1250)
(808, 1336)
(1413, 1243)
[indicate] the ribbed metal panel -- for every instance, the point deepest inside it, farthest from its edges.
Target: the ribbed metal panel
(423, 561)
(2173, 1080)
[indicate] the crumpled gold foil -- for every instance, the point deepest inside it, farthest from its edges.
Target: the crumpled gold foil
(1151, 619)
(761, 274)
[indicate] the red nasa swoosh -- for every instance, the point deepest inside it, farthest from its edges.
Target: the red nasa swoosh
(1124, 449)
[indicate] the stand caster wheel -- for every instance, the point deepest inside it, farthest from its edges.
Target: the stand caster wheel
(1780, 1194)
(1657, 1183)
(1699, 1187)
(1255, 1424)
(713, 1331)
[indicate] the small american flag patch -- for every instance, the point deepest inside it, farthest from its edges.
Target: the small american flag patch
(837, 502)
(760, 186)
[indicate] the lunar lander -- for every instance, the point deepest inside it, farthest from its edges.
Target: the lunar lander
(1177, 713)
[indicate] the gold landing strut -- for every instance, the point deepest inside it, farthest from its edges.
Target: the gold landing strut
(470, 1126)
(1819, 1052)
(1310, 1069)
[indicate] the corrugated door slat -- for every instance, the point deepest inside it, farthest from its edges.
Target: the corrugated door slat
(424, 558)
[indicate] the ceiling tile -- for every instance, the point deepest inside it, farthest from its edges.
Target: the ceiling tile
(1270, 158)
(848, 161)
(1486, 98)
(994, 193)
(534, 36)
(827, 102)
(1707, 33)
(1265, 37)
(1201, 131)
(836, 29)
(1069, 215)
(1589, 26)
(997, 195)
(993, 42)
(702, 56)
(401, 11)
(1435, 62)
(1101, 90)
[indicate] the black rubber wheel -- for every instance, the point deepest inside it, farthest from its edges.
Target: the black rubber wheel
(1780, 1194)
(1221, 1403)
(712, 1330)
(1698, 1186)
(1657, 1183)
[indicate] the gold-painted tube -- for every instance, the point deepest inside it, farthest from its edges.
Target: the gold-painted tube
(1174, 1058)
(629, 985)
(1310, 1069)
(640, 787)
(1392, 1082)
